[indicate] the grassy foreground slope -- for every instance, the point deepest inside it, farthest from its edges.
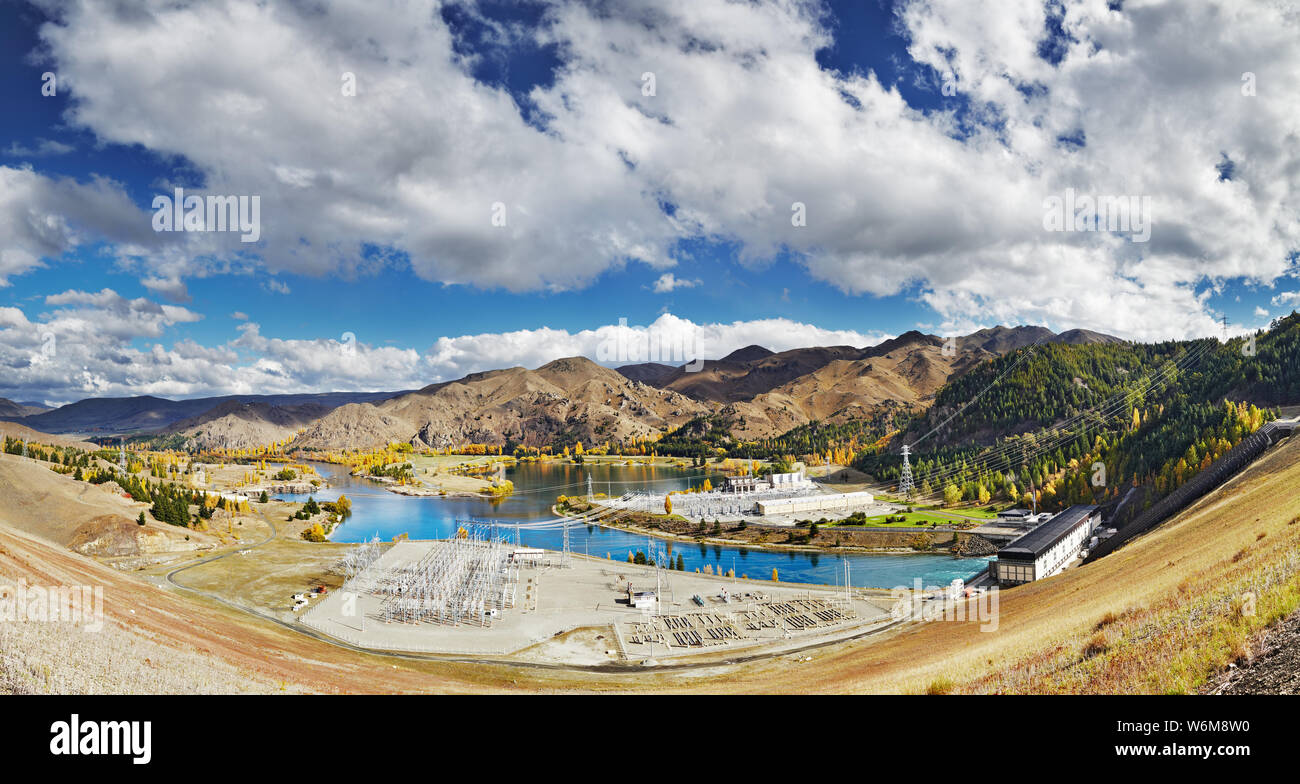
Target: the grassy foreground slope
(1163, 614)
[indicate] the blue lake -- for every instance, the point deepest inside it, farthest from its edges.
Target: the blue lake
(376, 511)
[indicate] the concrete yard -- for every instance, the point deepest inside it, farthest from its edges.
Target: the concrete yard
(580, 615)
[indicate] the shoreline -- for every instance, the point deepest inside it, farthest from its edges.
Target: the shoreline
(768, 546)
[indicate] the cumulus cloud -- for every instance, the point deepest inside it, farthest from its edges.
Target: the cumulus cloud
(745, 137)
(103, 344)
(668, 282)
(43, 148)
(422, 158)
(668, 339)
(1287, 299)
(44, 217)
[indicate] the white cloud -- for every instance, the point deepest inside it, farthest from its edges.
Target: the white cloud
(668, 282)
(668, 339)
(173, 289)
(104, 344)
(43, 217)
(743, 125)
(42, 149)
(1286, 299)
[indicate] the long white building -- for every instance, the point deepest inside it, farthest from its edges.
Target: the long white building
(823, 502)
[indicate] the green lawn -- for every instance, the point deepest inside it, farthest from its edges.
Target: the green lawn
(911, 520)
(988, 512)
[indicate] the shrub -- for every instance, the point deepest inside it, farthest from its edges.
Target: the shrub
(1098, 644)
(1106, 620)
(940, 686)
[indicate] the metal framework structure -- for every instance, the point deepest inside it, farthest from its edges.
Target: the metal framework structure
(469, 579)
(357, 559)
(905, 486)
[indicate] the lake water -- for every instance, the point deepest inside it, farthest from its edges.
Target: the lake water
(377, 511)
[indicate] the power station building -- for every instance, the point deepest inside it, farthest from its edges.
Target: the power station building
(1046, 550)
(821, 502)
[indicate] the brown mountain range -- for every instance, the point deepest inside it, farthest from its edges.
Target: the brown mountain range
(764, 393)
(571, 397)
(761, 392)
(236, 425)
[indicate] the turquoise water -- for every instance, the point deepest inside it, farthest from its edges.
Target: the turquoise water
(376, 511)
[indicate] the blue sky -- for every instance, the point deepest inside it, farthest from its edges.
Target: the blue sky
(923, 206)
(366, 302)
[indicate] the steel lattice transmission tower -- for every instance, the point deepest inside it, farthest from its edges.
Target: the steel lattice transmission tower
(905, 486)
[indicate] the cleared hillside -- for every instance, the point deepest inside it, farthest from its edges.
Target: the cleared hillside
(842, 390)
(22, 432)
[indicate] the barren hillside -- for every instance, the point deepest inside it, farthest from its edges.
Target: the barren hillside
(909, 374)
(236, 425)
(572, 396)
(9, 408)
(91, 519)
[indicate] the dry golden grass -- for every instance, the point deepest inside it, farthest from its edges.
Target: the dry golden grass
(1160, 615)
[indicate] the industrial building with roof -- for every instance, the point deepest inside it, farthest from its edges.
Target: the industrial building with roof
(822, 502)
(1045, 550)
